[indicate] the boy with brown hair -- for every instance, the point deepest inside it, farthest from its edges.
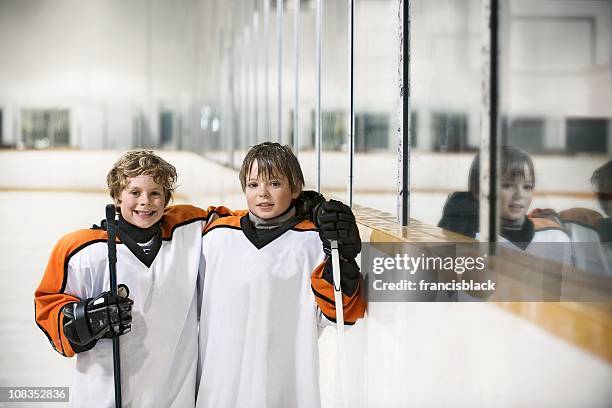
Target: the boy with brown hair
(158, 256)
(591, 232)
(263, 301)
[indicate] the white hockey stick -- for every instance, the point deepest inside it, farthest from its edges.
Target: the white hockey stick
(342, 369)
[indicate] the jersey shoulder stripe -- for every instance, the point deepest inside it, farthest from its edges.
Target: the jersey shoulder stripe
(68, 246)
(178, 215)
(582, 216)
(542, 224)
(49, 297)
(232, 222)
(305, 225)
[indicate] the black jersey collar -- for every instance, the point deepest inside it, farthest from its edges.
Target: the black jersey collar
(132, 235)
(520, 237)
(140, 235)
(262, 238)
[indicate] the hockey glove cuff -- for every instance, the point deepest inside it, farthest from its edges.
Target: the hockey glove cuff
(91, 319)
(349, 276)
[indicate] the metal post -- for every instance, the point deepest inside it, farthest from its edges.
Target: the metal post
(266, 63)
(403, 180)
(247, 73)
(351, 102)
(489, 223)
(493, 112)
(149, 74)
(279, 24)
(255, 53)
(243, 81)
(233, 55)
(319, 18)
(296, 109)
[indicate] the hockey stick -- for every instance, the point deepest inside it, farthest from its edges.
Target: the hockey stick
(339, 321)
(111, 229)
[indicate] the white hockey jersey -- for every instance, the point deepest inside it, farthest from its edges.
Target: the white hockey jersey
(589, 253)
(262, 300)
(544, 239)
(549, 241)
(159, 355)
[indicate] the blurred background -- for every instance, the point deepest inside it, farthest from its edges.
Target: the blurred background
(200, 81)
(214, 78)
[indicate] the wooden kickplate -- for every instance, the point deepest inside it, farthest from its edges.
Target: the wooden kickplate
(586, 325)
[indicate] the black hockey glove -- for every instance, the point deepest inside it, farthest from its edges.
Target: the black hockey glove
(335, 221)
(307, 202)
(106, 315)
(349, 275)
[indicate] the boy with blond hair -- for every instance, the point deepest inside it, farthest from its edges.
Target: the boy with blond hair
(266, 288)
(158, 256)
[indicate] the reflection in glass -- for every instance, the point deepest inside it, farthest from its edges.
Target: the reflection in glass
(445, 71)
(550, 46)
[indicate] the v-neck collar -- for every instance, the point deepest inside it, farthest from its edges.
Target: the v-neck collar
(138, 252)
(261, 240)
(520, 237)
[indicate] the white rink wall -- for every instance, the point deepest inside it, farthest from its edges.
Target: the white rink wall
(561, 181)
(403, 354)
(203, 182)
(374, 171)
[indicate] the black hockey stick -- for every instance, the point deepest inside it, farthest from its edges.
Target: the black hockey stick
(111, 229)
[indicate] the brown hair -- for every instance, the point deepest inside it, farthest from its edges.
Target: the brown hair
(273, 160)
(602, 178)
(141, 163)
(513, 162)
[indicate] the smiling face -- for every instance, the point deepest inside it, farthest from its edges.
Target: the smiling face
(142, 201)
(267, 198)
(516, 195)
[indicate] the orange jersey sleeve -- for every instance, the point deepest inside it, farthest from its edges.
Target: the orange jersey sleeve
(49, 297)
(354, 306)
(177, 215)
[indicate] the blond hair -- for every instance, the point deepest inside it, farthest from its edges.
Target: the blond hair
(141, 163)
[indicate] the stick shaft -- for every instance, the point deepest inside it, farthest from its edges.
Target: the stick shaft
(342, 367)
(112, 267)
(337, 286)
(117, 371)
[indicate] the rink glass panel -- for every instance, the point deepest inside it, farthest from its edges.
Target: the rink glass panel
(556, 94)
